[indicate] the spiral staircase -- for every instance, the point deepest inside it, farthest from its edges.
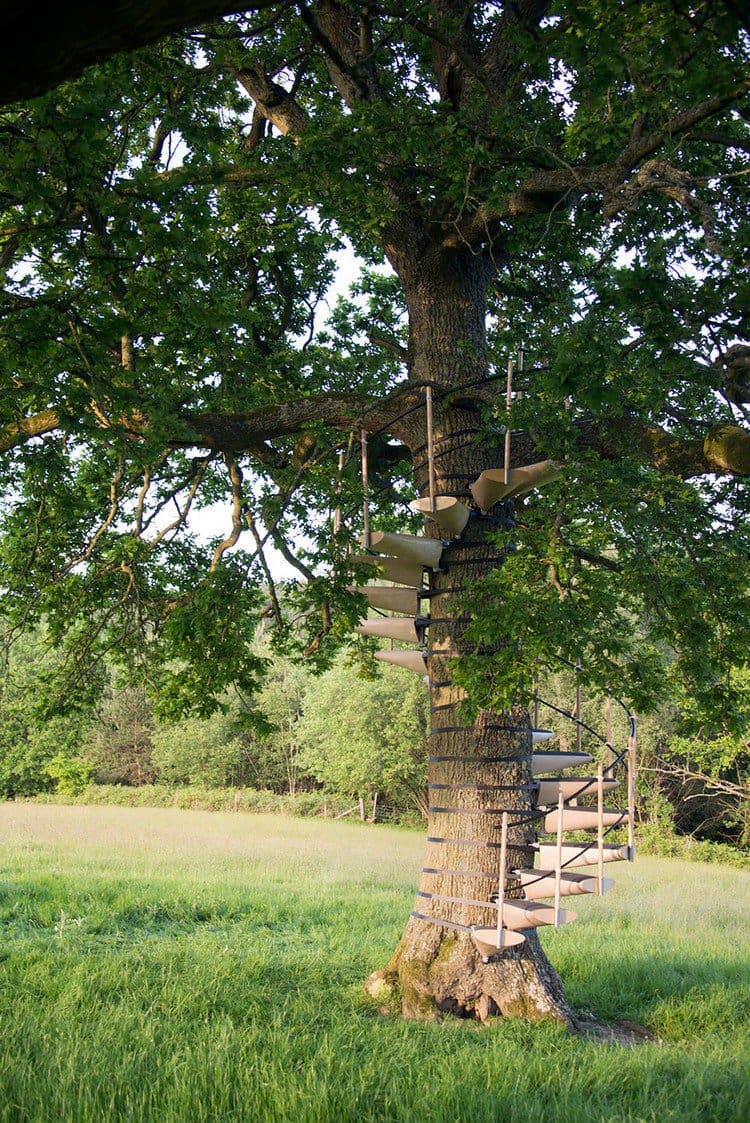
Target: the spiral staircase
(561, 801)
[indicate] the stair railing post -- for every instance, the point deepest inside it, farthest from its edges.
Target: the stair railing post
(337, 512)
(501, 879)
(365, 492)
(600, 826)
(579, 727)
(608, 714)
(558, 859)
(430, 450)
(632, 741)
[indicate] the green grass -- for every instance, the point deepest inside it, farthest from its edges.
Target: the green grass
(183, 966)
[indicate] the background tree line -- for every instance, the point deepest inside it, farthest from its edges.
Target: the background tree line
(344, 734)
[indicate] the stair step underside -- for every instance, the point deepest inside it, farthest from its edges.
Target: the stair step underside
(555, 762)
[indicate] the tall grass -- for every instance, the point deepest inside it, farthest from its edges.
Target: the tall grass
(183, 966)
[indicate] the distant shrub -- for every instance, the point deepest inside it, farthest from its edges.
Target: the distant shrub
(70, 773)
(653, 840)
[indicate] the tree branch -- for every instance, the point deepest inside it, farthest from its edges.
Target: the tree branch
(235, 480)
(45, 45)
(18, 432)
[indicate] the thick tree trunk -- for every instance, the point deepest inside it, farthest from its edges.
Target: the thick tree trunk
(437, 967)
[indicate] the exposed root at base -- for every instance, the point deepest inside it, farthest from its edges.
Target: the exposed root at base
(384, 987)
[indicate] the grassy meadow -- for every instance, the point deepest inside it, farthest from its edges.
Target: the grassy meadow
(170, 965)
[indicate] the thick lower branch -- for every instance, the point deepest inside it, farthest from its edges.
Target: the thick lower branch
(724, 450)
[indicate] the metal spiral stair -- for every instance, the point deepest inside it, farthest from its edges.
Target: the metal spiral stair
(405, 559)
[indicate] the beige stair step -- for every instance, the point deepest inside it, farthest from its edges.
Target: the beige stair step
(410, 547)
(402, 628)
(411, 660)
(392, 569)
(491, 487)
(555, 762)
(389, 598)
(577, 854)
(552, 791)
(541, 883)
(450, 514)
(486, 940)
(583, 819)
(518, 915)
(538, 735)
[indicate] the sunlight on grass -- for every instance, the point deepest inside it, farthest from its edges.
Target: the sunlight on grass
(177, 966)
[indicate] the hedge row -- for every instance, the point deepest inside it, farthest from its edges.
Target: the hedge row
(205, 799)
(649, 839)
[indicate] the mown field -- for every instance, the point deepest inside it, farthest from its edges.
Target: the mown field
(174, 965)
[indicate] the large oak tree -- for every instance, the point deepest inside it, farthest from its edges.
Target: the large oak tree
(569, 175)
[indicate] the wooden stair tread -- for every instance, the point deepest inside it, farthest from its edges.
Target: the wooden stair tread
(402, 628)
(486, 940)
(490, 487)
(389, 598)
(518, 915)
(580, 854)
(412, 660)
(541, 883)
(583, 818)
(411, 547)
(551, 791)
(555, 762)
(392, 569)
(450, 514)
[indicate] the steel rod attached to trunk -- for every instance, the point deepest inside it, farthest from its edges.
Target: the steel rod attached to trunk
(501, 881)
(430, 451)
(508, 392)
(365, 493)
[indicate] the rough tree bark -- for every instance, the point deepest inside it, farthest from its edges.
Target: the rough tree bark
(438, 969)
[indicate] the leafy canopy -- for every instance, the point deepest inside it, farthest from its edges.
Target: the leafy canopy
(169, 233)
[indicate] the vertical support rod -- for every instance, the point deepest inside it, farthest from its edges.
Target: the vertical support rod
(508, 392)
(608, 715)
(430, 450)
(558, 859)
(365, 491)
(536, 705)
(600, 827)
(579, 727)
(337, 512)
(631, 789)
(501, 879)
